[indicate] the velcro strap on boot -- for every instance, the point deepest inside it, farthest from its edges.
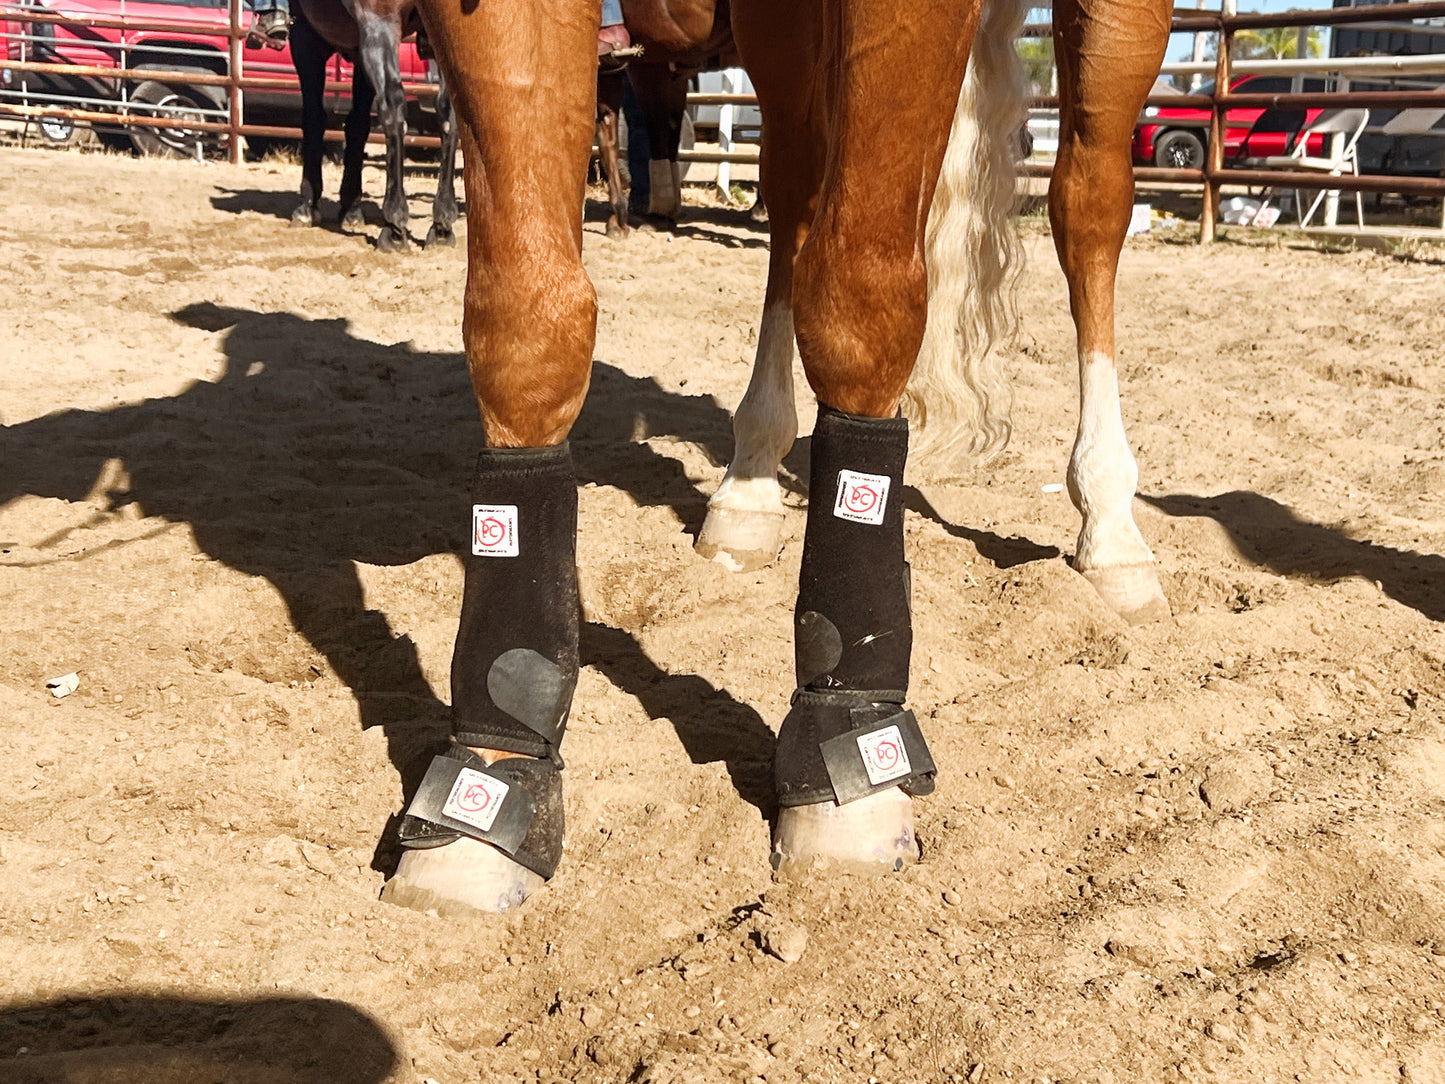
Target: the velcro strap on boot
(514, 804)
(856, 744)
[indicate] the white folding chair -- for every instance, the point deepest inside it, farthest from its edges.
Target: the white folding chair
(1342, 129)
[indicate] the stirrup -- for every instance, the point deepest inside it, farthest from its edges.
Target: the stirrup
(273, 28)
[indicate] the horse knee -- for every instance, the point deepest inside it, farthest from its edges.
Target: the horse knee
(529, 332)
(859, 317)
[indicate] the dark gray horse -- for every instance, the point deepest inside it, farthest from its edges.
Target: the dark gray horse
(368, 33)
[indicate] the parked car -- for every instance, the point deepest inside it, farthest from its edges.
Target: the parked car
(1175, 137)
(204, 49)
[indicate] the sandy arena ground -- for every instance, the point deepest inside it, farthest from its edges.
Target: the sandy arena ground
(233, 478)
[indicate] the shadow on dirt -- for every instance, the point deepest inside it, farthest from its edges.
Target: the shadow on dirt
(352, 451)
(698, 223)
(1272, 535)
(281, 204)
(151, 1039)
(1000, 551)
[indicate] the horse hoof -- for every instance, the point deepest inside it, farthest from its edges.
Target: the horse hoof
(872, 835)
(1131, 591)
(616, 231)
(391, 240)
(353, 220)
(460, 880)
(305, 216)
(440, 236)
(740, 540)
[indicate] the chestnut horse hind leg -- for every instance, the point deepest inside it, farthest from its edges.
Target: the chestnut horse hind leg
(744, 524)
(485, 827)
(848, 752)
(1109, 53)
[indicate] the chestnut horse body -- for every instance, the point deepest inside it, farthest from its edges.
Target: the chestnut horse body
(368, 33)
(889, 130)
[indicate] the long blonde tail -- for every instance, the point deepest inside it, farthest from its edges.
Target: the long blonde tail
(959, 397)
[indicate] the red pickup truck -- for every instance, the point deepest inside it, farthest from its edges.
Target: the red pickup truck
(202, 49)
(1175, 138)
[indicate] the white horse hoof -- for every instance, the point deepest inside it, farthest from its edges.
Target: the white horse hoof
(871, 835)
(741, 541)
(460, 880)
(1131, 591)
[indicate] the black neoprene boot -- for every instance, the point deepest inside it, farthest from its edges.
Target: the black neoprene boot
(847, 734)
(514, 668)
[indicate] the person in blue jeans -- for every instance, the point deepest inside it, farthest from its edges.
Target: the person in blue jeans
(613, 36)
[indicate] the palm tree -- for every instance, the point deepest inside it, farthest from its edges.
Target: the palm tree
(1276, 43)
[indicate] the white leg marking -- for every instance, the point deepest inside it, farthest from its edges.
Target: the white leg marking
(745, 516)
(665, 188)
(1102, 478)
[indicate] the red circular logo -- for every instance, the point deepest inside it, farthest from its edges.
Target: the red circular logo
(474, 798)
(886, 754)
(860, 499)
(491, 531)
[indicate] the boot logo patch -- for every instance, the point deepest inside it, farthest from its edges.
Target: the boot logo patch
(494, 530)
(862, 498)
(884, 757)
(475, 799)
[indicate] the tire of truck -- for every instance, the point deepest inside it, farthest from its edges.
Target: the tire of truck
(1179, 149)
(178, 101)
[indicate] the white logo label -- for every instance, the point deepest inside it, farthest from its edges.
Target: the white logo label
(884, 757)
(861, 497)
(494, 530)
(475, 799)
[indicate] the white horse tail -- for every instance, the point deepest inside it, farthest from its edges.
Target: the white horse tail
(959, 396)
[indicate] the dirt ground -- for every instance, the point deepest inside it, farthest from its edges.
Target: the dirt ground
(233, 477)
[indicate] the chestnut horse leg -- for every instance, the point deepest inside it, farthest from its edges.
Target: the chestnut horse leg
(1109, 53)
(744, 524)
(886, 84)
(380, 41)
(522, 75)
(609, 108)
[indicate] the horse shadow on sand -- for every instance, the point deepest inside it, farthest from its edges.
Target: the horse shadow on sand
(134, 1038)
(315, 449)
(1275, 537)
